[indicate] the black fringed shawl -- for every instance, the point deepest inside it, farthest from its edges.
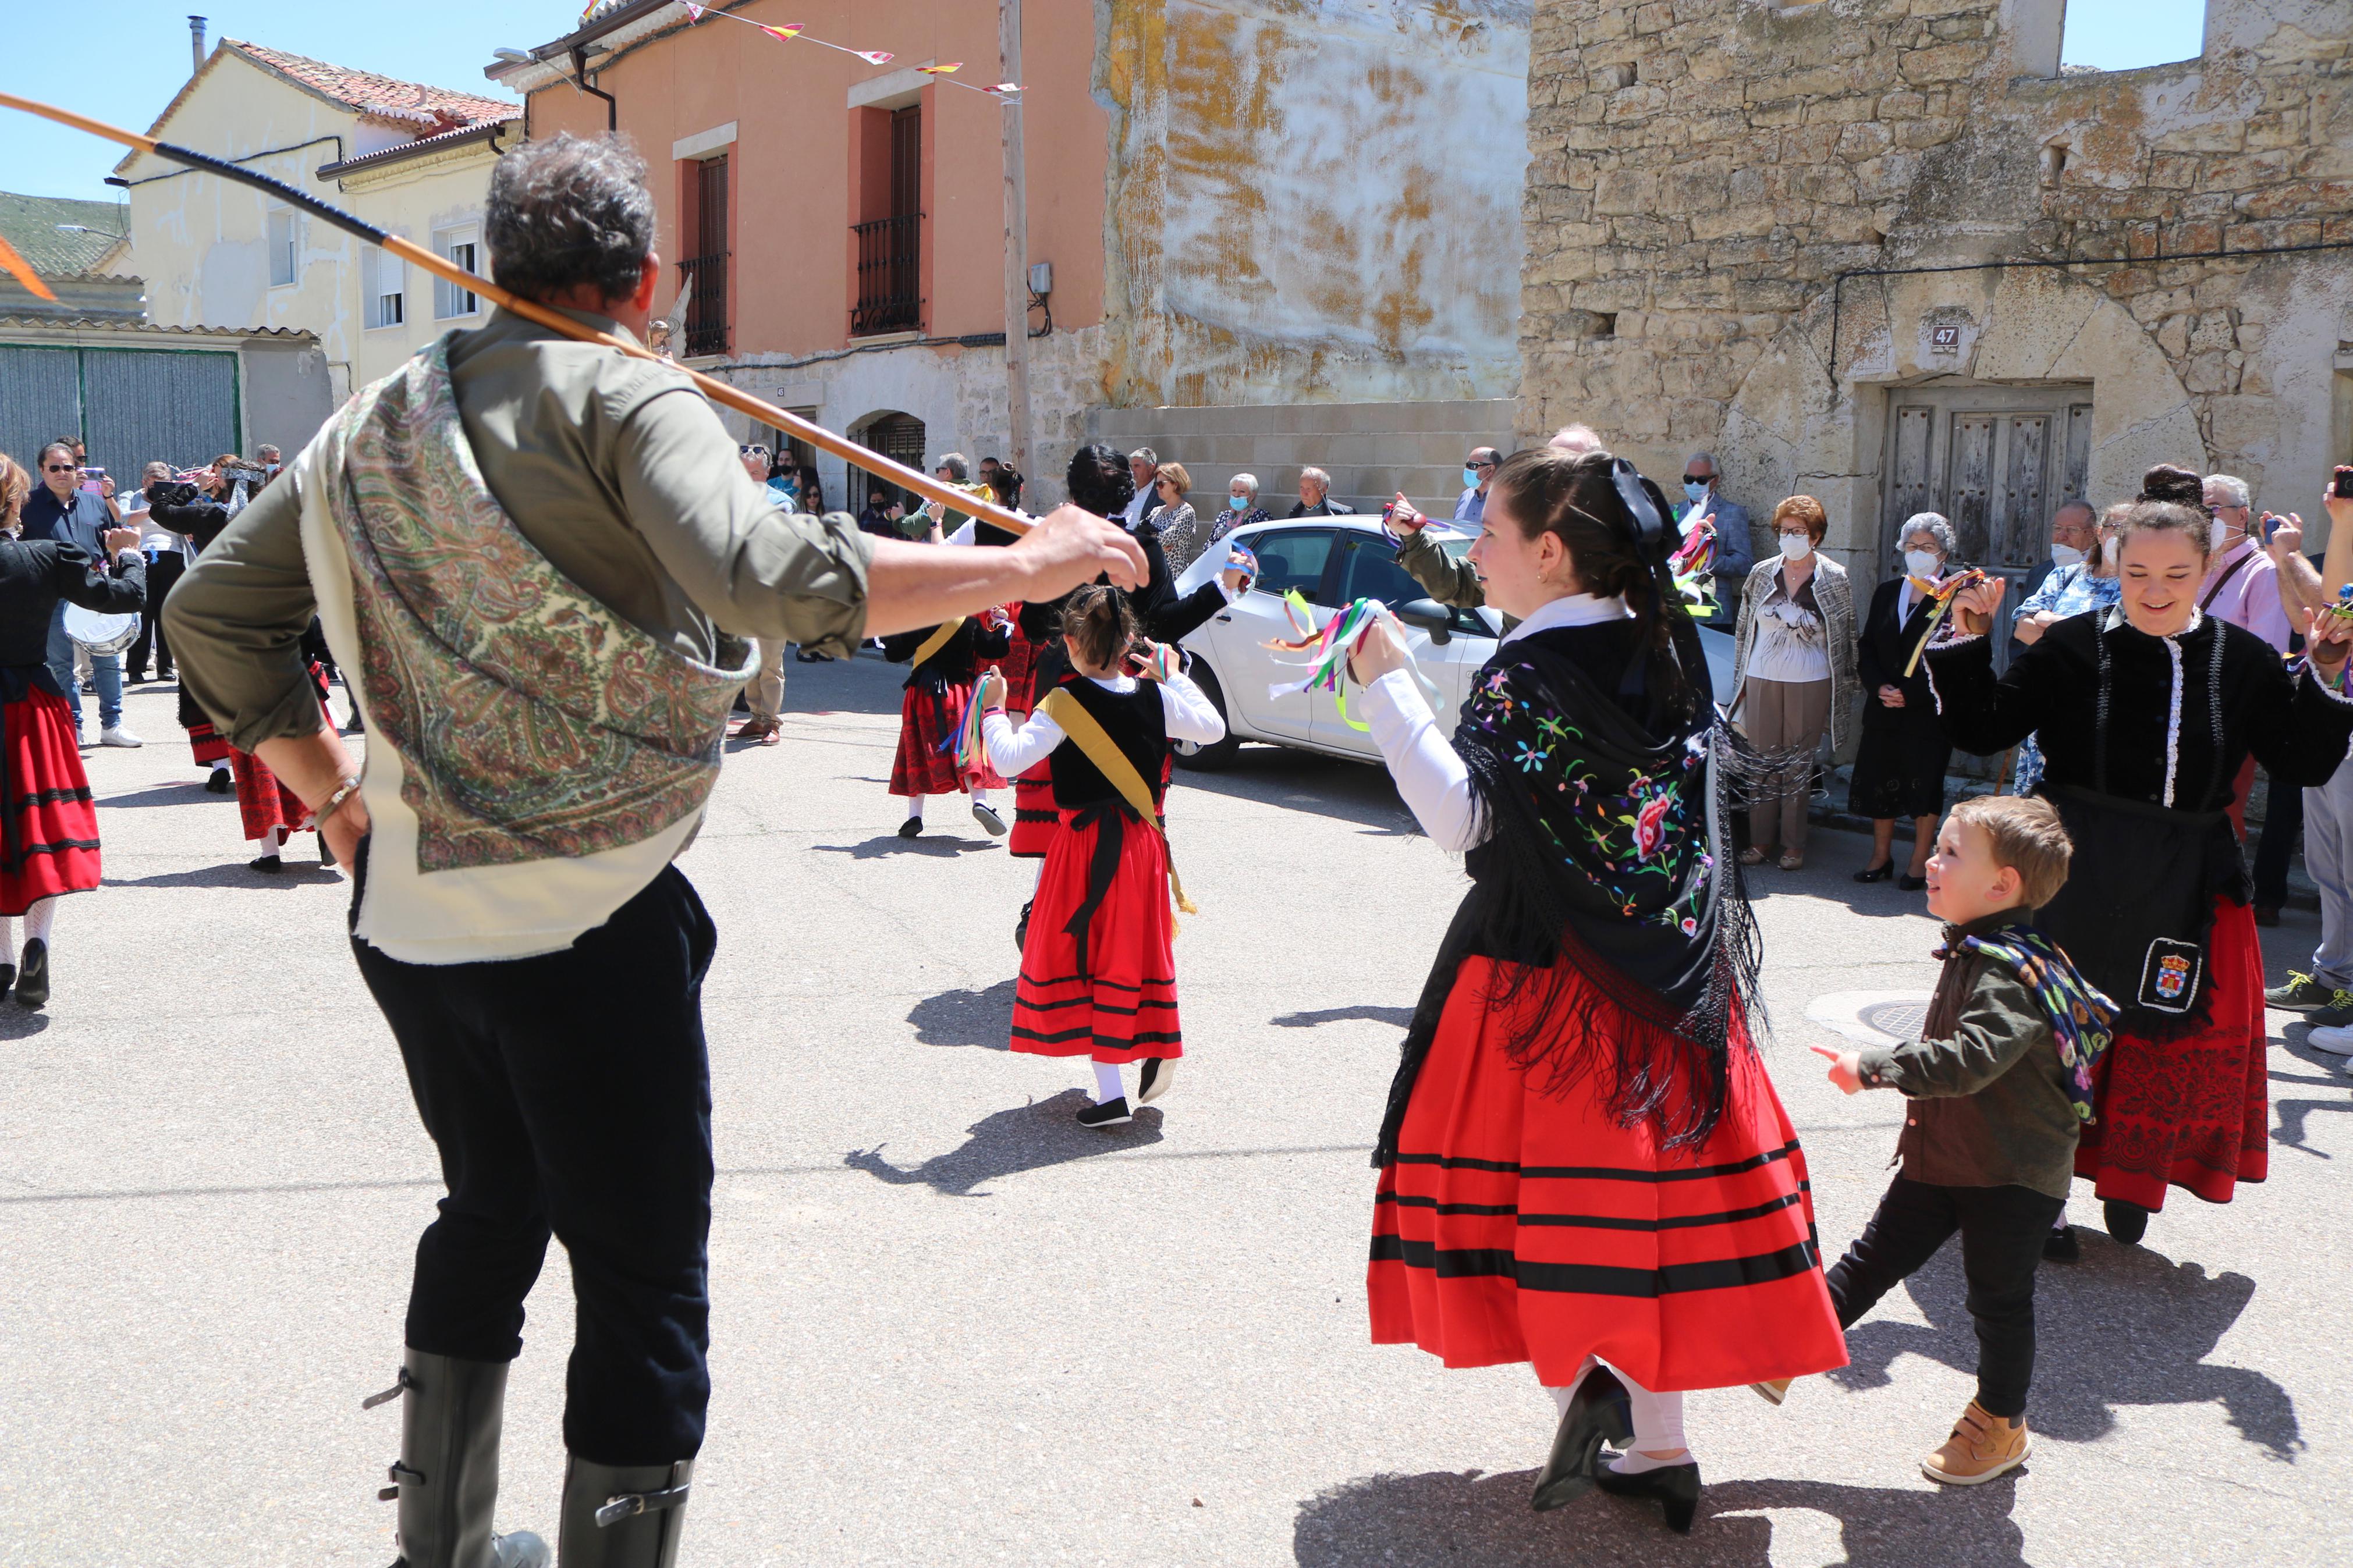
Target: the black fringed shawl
(1604, 850)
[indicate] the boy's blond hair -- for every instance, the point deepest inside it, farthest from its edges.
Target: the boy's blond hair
(2026, 835)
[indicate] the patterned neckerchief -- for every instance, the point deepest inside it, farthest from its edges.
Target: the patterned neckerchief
(2083, 1020)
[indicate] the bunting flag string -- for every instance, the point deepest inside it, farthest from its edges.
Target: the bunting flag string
(792, 30)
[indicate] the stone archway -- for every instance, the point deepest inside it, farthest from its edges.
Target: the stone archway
(1788, 428)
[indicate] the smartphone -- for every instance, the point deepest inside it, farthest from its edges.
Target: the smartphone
(2344, 482)
(2271, 521)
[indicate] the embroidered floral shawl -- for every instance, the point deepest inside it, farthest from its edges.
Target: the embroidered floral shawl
(2083, 1020)
(532, 721)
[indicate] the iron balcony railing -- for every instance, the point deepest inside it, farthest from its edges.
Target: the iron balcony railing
(706, 307)
(890, 276)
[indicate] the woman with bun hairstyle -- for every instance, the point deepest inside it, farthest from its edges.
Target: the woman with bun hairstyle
(1098, 972)
(1584, 1166)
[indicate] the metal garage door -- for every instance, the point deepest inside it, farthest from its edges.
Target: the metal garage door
(132, 405)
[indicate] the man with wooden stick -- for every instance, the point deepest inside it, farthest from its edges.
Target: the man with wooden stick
(524, 549)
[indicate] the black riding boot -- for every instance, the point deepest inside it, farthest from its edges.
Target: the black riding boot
(446, 1481)
(622, 1516)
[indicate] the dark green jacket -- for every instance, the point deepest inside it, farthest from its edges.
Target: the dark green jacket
(1988, 1104)
(1450, 581)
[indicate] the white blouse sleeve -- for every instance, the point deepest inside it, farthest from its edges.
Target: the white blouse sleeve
(1428, 772)
(1012, 751)
(1190, 715)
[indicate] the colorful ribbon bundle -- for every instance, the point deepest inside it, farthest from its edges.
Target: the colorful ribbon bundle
(1693, 568)
(1942, 593)
(1328, 670)
(792, 30)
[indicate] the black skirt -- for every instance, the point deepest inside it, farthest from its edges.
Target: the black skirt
(1899, 768)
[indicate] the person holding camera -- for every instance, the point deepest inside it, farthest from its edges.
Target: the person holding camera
(75, 505)
(49, 826)
(166, 561)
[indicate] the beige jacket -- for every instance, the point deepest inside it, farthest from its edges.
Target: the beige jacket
(1832, 593)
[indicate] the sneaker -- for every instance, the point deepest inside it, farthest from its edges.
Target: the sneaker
(1772, 1391)
(987, 816)
(912, 826)
(1153, 1078)
(116, 735)
(2335, 1015)
(2337, 1040)
(2302, 994)
(2060, 1246)
(1981, 1448)
(1110, 1113)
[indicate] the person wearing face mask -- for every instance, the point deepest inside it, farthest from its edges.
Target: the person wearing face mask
(1734, 555)
(1241, 507)
(1793, 671)
(1899, 769)
(2241, 585)
(2085, 579)
(2147, 712)
(2073, 539)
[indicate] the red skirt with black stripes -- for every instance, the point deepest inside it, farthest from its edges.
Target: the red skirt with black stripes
(51, 842)
(1098, 970)
(1521, 1226)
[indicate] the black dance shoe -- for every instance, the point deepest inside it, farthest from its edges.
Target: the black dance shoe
(1110, 1113)
(221, 781)
(1599, 1409)
(2127, 1222)
(987, 816)
(2061, 1247)
(33, 979)
(269, 865)
(1153, 1078)
(1675, 1486)
(912, 826)
(1875, 873)
(1910, 883)
(1021, 927)
(7, 978)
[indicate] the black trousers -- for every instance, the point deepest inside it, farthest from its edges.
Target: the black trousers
(2002, 1231)
(571, 1092)
(162, 573)
(2275, 846)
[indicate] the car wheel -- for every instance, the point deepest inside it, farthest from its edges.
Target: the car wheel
(1218, 754)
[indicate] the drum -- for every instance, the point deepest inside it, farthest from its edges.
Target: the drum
(100, 633)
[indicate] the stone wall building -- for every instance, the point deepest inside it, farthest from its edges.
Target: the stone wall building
(1887, 253)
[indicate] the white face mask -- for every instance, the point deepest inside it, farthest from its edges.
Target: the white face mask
(2107, 552)
(1796, 546)
(1922, 562)
(2217, 531)
(2065, 555)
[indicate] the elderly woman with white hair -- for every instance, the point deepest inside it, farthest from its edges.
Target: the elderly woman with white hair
(1242, 508)
(1899, 769)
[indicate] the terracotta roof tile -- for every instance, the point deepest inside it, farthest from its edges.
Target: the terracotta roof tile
(430, 110)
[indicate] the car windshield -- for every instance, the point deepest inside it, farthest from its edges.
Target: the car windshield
(1457, 545)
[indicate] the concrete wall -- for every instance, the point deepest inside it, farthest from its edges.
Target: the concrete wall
(1313, 200)
(286, 396)
(1703, 174)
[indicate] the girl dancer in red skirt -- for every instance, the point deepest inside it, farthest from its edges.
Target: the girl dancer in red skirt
(270, 812)
(946, 660)
(1583, 1161)
(1098, 975)
(2147, 712)
(48, 826)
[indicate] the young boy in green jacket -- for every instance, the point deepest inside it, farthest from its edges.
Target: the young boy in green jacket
(1996, 1086)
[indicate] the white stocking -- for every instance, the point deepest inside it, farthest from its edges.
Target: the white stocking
(273, 839)
(980, 797)
(40, 918)
(914, 805)
(1658, 1429)
(8, 941)
(1107, 1087)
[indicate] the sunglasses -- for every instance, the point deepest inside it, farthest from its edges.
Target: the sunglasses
(60, 468)
(1697, 479)
(1478, 463)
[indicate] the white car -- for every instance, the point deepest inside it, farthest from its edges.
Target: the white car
(1335, 561)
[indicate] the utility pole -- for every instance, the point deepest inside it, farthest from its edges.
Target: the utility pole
(1017, 246)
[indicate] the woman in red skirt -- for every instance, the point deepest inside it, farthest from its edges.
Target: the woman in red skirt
(49, 826)
(1098, 975)
(946, 660)
(1584, 1162)
(270, 812)
(2147, 712)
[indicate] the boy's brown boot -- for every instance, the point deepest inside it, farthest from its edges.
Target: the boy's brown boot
(1981, 1448)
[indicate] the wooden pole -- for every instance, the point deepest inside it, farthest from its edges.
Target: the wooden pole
(441, 267)
(1016, 245)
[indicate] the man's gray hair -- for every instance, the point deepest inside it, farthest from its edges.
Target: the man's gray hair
(1144, 454)
(1709, 458)
(569, 211)
(1576, 440)
(1323, 480)
(2077, 504)
(267, 451)
(956, 466)
(1932, 523)
(2234, 490)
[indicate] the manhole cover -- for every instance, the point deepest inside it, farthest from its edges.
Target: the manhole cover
(1898, 1020)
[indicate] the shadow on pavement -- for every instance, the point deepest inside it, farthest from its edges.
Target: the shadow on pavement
(179, 793)
(235, 874)
(1443, 1516)
(967, 1017)
(1400, 1017)
(2295, 1114)
(1309, 781)
(867, 684)
(21, 1023)
(2164, 1318)
(938, 846)
(1008, 1142)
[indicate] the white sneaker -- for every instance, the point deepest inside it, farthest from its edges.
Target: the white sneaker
(2336, 1041)
(116, 735)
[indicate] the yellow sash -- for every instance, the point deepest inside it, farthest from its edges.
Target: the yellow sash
(1099, 749)
(933, 643)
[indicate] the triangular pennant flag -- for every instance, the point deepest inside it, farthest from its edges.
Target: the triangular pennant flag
(1006, 87)
(788, 32)
(693, 13)
(941, 70)
(14, 265)
(875, 56)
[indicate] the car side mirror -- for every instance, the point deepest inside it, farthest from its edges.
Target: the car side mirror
(1429, 616)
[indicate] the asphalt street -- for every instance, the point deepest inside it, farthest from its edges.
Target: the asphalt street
(950, 1326)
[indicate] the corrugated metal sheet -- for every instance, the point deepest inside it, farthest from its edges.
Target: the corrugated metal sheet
(130, 404)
